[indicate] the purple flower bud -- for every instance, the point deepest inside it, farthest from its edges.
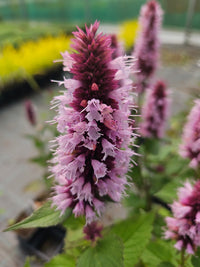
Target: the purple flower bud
(147, 43)
(184, 226)
(93, 231)
(93, 156)
(190, 147)
(116, 46)
(155, 111)
(30, 112)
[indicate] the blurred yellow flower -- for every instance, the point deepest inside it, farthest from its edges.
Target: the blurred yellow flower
(31, 58)
(128, 33)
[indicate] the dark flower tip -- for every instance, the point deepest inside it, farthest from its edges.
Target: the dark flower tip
(30, 112)
(93, 231)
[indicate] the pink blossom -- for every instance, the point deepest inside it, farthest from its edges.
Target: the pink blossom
(93, 118)
(184, 226)
(155, 111)
(190, 147)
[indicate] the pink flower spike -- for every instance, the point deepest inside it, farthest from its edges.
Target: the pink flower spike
(184, 226)
(190, 147)
(94, 125)
(155, 111)
(147, 44)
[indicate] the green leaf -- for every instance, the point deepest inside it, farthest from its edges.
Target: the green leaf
(62, 260)
(74, 223)
(135, 235)
(27, 263)
(134, 201)
(40, 160)
(158, 252)
(151, 145)
(107, 252)
(43, 217)
(188, 263)
(169, 192)
(195, 261)
(175, 165)
(166, 264)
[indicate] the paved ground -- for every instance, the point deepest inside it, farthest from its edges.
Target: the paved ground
(17, 173)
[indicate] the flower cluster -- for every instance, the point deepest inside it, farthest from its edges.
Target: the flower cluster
(147, 43)
(155, 111)
(190, 148)
(92, 156)
(184, 227)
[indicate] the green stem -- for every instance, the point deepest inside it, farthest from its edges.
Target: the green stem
(197, 173)
(182, 262)
(148, 197)
(32, 82)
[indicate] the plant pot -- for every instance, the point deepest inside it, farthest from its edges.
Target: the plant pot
(43, 243)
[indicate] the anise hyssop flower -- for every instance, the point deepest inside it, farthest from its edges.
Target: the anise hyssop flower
(92, 156)
(184, 226)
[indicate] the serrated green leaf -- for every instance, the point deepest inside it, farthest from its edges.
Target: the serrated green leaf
(169, 192)
(158, 252)
(43, 217)
(107, 252)
(135, 236)
(62, 260)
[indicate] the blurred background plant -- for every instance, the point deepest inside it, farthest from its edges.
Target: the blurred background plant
(43, 132)
(128, 32)
(30, 59)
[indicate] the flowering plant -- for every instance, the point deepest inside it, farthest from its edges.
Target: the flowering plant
(93, 172)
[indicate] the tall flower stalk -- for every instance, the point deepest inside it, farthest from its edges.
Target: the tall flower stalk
(93, 154)
(147, 44)
(190, 147)
(155, 111)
